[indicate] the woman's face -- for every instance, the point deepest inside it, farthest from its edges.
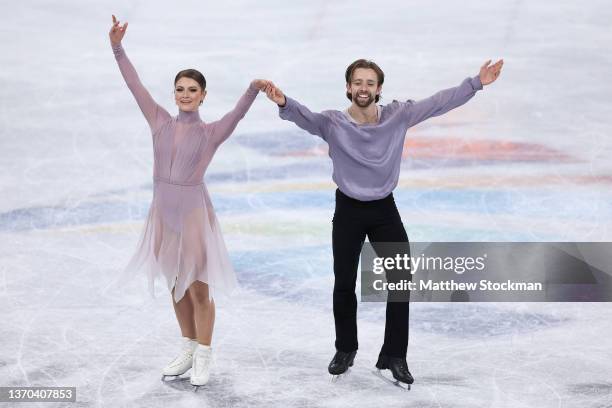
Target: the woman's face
(188, 94)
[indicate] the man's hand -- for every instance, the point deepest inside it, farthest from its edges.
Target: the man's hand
(275, 94)
(489, 73)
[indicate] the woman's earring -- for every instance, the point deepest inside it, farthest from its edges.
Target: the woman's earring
(201, 101)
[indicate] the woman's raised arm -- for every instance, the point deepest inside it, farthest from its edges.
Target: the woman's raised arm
(155, 114)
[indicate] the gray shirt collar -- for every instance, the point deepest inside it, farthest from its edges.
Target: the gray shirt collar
(351, 119)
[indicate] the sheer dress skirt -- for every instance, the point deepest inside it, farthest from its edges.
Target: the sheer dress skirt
(182, 242)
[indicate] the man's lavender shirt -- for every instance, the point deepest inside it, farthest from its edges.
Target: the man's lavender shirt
(367, 158)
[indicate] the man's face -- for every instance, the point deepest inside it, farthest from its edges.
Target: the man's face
(363, 87)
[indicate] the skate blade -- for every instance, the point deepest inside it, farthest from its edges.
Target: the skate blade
(197, 387)
(339, 377)
(393, 381)
(173, 378)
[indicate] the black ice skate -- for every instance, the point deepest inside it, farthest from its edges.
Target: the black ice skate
(399, 369)
(341, 363)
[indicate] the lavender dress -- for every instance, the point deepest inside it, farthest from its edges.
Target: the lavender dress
(181, 240)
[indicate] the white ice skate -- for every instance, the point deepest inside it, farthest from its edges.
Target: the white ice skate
(183, 361)
(202, 359)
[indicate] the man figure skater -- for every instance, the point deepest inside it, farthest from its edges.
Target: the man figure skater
(365, 145)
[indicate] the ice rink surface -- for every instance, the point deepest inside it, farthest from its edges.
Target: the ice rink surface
(527, 159)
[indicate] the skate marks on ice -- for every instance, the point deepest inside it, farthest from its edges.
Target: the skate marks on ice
(364, 385)
(470, 321)
(425, 381)
(592, 389)
(477, 320)
(219, 391)
(597, 392)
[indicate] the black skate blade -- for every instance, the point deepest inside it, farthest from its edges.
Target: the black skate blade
(338, 377)
(393, 381)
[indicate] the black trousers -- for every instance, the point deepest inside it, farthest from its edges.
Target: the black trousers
(353, 220)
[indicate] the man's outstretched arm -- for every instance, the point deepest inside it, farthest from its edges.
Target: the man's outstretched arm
(450, 98)
(290, 109)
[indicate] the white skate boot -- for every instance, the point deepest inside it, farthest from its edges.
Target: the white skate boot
(183, 361)
(202, 359)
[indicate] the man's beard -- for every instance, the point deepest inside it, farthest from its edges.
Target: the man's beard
(363, 103)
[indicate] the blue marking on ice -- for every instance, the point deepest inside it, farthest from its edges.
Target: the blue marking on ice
(587, 206)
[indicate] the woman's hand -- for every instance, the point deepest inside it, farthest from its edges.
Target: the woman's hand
(117, 31)
(488, 73)
(260, 83)
(275, 94)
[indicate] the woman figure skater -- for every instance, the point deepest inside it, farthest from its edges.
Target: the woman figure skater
(181, 240)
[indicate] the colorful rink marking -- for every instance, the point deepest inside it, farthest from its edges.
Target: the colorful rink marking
(485, 150)
(455, 148)
(482, 181)
(495, 178)
(294, 203)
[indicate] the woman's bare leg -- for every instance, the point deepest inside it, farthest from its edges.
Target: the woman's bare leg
(184, 314)
(204, 312)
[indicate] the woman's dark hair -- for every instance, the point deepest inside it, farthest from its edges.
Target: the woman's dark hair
(363, 63)
(193, 74)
